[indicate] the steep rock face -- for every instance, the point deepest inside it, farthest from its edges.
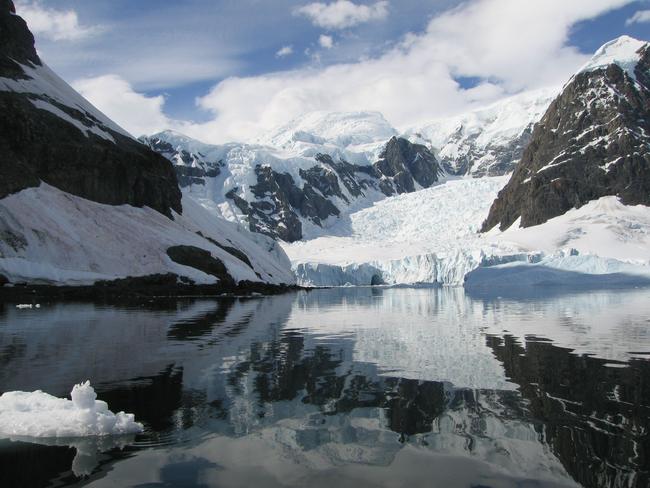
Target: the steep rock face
(280, 201)
(592, 142)
(277, 201)
(49, 133)
(281, 196)
(402, 164)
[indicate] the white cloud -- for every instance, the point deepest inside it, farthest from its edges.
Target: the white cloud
(411, 83)
(640, 17)
(115, 97)
(58, 25)
(326, 42)
(284, 51)
(343, 13)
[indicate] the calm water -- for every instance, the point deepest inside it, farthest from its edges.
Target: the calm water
(345, 388)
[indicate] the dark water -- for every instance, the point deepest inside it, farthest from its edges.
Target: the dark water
(344, 388)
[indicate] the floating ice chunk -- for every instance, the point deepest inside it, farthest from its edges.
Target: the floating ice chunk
(39, 414)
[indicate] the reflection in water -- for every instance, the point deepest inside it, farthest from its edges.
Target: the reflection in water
(87, 450)
(595, 418)
(362, 387)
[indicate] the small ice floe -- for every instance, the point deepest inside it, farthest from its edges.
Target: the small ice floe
(41, 415)
(28, 305)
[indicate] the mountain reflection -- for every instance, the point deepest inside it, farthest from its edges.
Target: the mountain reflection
(595, 417)
(342, 380)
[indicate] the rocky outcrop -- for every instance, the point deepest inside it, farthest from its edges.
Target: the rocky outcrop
(280, 204)
(278, 201)
(16, 42)
(49, 133)
(592, 142)
(403, 164)
(493, 159)
(200, 259)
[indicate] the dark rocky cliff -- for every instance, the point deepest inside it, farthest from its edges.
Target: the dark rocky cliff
(592, 142)
(49, 145)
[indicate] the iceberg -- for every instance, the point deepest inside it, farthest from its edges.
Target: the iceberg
(40, 415)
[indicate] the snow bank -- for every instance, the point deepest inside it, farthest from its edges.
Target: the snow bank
(57, 238)
(431, 237)
(38, 414)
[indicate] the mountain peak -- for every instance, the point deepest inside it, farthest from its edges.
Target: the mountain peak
(339, 128)
(624, 51)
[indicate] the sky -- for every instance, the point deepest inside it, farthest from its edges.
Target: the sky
(231, 70)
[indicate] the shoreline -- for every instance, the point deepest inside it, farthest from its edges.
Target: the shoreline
(135, 288)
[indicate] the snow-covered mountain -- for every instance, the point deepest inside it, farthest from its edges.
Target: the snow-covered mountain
(81, 201)
(488, 141)
(592, 142)
(344, 192)
(583, 185)
(348, 135)
(316, 170)
(302, 187)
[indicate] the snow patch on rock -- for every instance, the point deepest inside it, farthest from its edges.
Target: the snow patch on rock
(46, 87)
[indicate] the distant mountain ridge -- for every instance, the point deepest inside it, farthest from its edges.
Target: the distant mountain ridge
(324, 165)
(291, 195)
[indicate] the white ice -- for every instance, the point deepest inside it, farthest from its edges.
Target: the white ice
(38, 414)
(431, 236)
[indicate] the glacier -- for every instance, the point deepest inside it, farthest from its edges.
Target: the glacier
(431, 237)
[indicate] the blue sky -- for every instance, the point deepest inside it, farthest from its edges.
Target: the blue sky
(170, 59)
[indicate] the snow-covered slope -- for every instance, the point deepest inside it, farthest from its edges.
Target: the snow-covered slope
(487, 141)
(623, 52)
(52, 237)
(47, 91)
(356, 136)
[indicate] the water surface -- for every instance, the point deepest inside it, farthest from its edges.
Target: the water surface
(343, 387)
